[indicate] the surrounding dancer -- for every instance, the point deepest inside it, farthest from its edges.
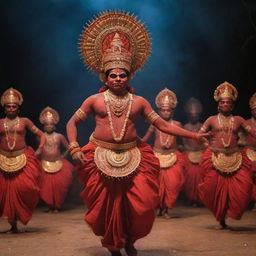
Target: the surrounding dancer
(227, 184)
(250, 149)
(57, 171)
(171, 178)
(193, 152)
(19, 167)
(118, 171)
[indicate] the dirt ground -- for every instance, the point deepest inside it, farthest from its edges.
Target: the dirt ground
(190, 232)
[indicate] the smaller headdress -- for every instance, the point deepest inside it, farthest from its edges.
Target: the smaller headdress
(49, 115)
(11, 96)
(166, 98)
(193, 105)
(225, 91)
(252, 101)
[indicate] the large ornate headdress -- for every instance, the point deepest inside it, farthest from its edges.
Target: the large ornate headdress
(166, 98)
(114, 40)
(252, 101)
(11, 96)
(225, 90)
(193, 105)
(49, 115)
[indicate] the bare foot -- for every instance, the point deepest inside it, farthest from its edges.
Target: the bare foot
(130, 249)
(222, 225)
(167, 216)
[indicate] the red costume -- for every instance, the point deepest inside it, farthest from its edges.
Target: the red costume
(19, 191)
(120, 208)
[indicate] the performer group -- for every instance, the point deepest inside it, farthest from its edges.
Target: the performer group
(126, 182)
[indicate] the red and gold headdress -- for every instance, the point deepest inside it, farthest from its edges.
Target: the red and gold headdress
(114, 40)
(252, 101)
(193, 105)
(225, 91)
(11, 96)
(166, 98)
(49, 115)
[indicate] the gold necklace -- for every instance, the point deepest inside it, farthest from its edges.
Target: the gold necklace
(226, 124)
(167, 143)
(9, 125)
(119, 137)
(118, 103)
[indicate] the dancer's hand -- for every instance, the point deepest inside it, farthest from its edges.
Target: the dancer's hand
(79, 158)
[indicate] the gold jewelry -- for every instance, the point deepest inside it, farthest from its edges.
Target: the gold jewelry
(49, 115)
(119, 137)
(152, 116)
(251, 154)
(118, 103)
(73, 144)
(166, 98)
(52, 167)
(12, 164)
(195, 156)
(226, 124)
(80, 114)
(166, 160)
(8, 125)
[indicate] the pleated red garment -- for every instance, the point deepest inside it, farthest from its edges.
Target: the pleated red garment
(54, 186)
(225, 195)
(19, 192)
(120, 210)
(253, 172)
(171, 182)
(193, 176)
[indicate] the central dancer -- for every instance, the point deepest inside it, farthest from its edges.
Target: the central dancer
(118, 171)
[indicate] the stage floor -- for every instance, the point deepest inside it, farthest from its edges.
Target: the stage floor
(191, 232)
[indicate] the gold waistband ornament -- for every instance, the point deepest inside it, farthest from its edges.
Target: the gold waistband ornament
(195, 156)
(12, 164)
(227, 164)
(251, 154)
(166, 160)
(52, 166)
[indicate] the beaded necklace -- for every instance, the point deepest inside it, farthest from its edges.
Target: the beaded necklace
(226, 124)
(9, 125)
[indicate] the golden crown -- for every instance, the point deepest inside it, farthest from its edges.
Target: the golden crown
(49, 115)
(166, 98)
(11, 96)
(225, 90)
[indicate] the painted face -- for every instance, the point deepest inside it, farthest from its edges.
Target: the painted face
(225, 105)
(117, 80)
(193, 116)
(11, 110)
(253, 111)
(165, 112)
(49, 127)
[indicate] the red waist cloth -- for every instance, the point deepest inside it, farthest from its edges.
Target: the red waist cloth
(54, 186)
(19, 192)
(171, 182)
(193, 173)
(253, 172)
(225, 195)
(120, 210)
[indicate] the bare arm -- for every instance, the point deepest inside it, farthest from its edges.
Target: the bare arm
(148, 134)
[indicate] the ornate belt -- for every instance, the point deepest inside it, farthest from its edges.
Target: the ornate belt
(14, 161)
(227, 164)
(195, 156)
(167, 159)
(116, 160)
(251, 154)
(52, 166)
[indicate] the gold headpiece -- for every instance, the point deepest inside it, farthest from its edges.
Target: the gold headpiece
(166, 98)
(252, 101)
(114, 40)
(11, 96)
(225, 90)
(49, 115)
(193, 105)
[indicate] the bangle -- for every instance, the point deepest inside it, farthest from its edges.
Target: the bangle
(73, 151)
(73, 145)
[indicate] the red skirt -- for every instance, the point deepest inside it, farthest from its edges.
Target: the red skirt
(171, 182)
(54, 186)
(225, 195)
(19, 192)
(253, 172)
(120, 210)
(193, 176)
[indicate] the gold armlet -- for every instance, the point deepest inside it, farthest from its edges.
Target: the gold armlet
(152, 116)
(80, 114)
(34, 129)
(248, 128)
